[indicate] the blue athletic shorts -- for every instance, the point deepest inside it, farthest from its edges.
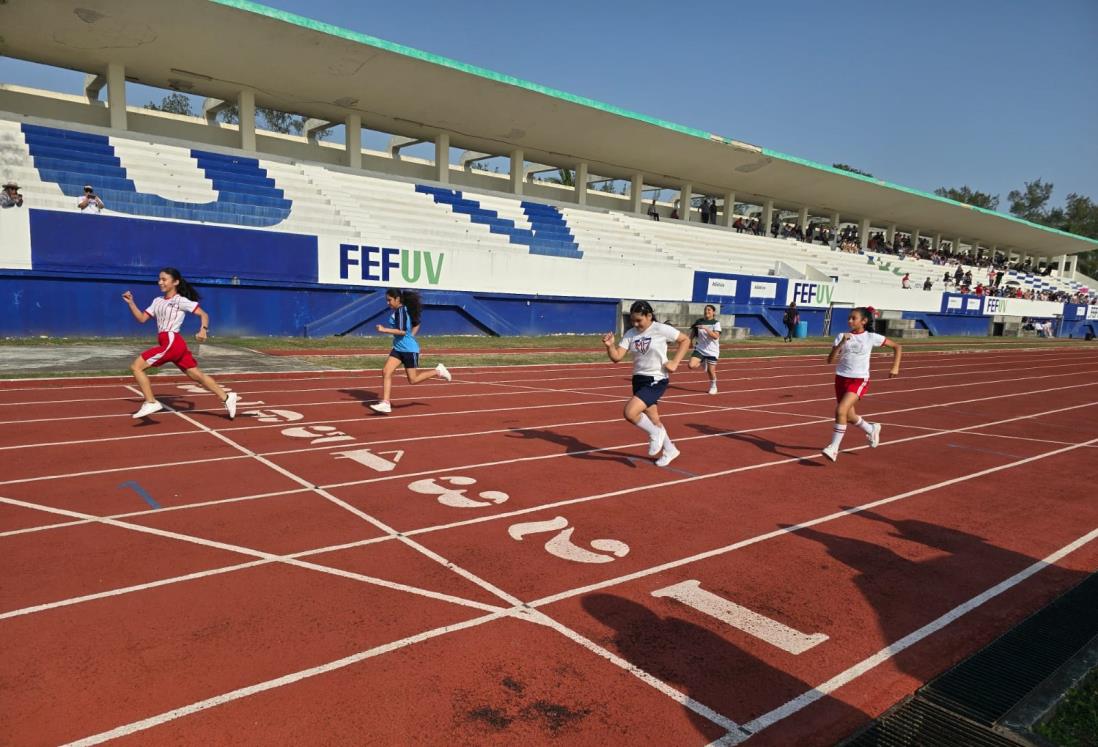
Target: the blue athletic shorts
(410, 360)
(648, 390)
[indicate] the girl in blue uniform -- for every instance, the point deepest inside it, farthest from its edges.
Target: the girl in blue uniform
(403, 326)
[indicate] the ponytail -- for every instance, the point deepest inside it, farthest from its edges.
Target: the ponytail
(868, 314)
(184, 288)
(410, 300)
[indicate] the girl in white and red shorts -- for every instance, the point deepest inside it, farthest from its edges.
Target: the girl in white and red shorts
(169, 310)
(853, 349)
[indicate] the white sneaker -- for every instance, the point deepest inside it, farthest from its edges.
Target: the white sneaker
(712, 388)
(230, 404)
(148, 409)
(874, 436)
(669, 455)
(655, 443)
(443, 372)
(831, 453)
(381, 407)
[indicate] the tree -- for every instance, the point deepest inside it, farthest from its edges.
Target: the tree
(969, 197)
(173, 103)
(1030, 204)
(271, 119)
(851, 169)
(564, 177)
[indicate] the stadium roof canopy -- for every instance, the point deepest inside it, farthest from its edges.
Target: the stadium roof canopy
(216, 48)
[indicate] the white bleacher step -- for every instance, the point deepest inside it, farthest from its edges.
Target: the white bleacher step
(907, 332)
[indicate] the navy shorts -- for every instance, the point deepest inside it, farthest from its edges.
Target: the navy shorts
(704, 358)
(410, 360)
(648, 390)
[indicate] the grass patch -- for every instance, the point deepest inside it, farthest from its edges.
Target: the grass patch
(1075, 720)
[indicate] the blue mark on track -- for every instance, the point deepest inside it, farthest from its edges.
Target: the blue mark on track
(132, 484)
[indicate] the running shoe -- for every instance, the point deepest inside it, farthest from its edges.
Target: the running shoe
(669, 455)
(148, 409)
(230, 403)
(712, 388)
(831, 453)
(655, 442)
(874, 436)
(443, 372)
(381, 407)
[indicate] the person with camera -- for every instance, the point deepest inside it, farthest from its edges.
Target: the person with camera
(10, 196)
(90, 204)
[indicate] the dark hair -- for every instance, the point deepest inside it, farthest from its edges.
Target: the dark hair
(868, 314)
(184, 289)
(711, 306)
(410, 300)
(642, 307)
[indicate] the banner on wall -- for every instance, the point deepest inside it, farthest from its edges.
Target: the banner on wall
(1092, 313)
(721, 287)
(766, 290)
(808, 293)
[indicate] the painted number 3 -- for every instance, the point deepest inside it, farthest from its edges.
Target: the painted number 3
(449, 495)
(561, 544)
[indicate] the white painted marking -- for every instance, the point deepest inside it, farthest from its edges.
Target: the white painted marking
(367, 458)
(448, 496)
(275, 416)
(562, 546)
(320, 434)
(773, 632)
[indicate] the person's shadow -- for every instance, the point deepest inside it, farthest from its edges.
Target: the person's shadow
(697, 662)
(574, 447)
(763, 443)
(367, 397)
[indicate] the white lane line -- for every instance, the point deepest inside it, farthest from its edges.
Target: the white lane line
(865, 665)
(289, 679)
(803, 525)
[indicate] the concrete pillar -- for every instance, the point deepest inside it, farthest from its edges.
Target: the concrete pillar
(93, 84)
(246, 104)
(636, 193)
(581, 183)
(767, 217)
(802, 218)
(835, 220)
(116, 95)
(937, 241)
(442, 157)
(728, 217)
(915, 238)
(352, 127)
(890, 234)
(863, 233)
(957, 245)
(685, 194)
(517, 159)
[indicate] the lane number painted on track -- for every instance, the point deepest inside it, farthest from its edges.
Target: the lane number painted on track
(773, 632)
(199, 389)
(318, 434)
(367, 458)
(449, 495)
(275, 416)
(562, 546)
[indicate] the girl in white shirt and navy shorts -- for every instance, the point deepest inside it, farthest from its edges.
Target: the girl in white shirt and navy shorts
(169, 310)
(647, 342)
(853, 349)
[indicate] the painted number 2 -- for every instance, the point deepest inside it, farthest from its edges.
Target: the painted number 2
(449, 495)
(561, 544)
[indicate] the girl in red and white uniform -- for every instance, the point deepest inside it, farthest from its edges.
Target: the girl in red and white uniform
(853, 349)
(169, 310)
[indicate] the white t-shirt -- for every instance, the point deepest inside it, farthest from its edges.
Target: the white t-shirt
(649, 349)
(706, 345)
(169, 312)
(854, 356)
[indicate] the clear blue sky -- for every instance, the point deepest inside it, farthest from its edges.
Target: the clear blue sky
(987, 93)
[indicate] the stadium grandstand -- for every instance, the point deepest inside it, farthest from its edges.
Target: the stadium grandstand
(313, 225)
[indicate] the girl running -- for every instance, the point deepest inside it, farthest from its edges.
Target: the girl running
(706, 333)
(403, 326)
(647, 341)
(853, 349)
(169, 310)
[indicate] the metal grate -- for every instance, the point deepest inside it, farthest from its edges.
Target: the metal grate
(924, 724)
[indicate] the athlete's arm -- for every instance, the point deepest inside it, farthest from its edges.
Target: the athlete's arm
(899, 351)
(684, 344)
(202, 330)
(138, 314)
(615, 352)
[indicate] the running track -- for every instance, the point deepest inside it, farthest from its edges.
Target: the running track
(497, 561)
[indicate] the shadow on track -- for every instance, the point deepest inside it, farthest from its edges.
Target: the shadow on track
(574, 447)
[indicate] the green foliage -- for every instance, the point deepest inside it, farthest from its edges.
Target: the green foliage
(1030, 203)
(270, 119)
(173, 103)
(566, 177)
(969, 196)
(1075, 722)
(851, 169)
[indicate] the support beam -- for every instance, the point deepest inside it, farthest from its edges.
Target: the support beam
(729, 215)
(212, 107)
(469, 157)
(685, 193)
(767, 217)
(937, 242)
(836, 219)
(518, 159)
(398, 142)
(957, 245)
(863, 233)
(246, 103)
(442, 157)
(802, 218)
(352, 141)
(636, 193)
(93, 84)
(313, 127)
(890, 234)
(116, 95)
(915, 239)
(581, 183)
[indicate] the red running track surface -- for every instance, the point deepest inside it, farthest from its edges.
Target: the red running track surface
(499, 561)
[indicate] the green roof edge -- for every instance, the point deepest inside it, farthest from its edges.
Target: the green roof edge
(372, 41)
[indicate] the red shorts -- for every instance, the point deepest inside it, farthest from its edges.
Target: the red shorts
(844, 385)
(172, 349)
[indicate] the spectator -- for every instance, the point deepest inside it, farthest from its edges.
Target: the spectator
(958, 276)
(675, 211)
(968, 277)
(927, 285)
(738, 225)
(10, 196)
(652, 212)
(90, 204)
(905, 281)
(790, 319)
